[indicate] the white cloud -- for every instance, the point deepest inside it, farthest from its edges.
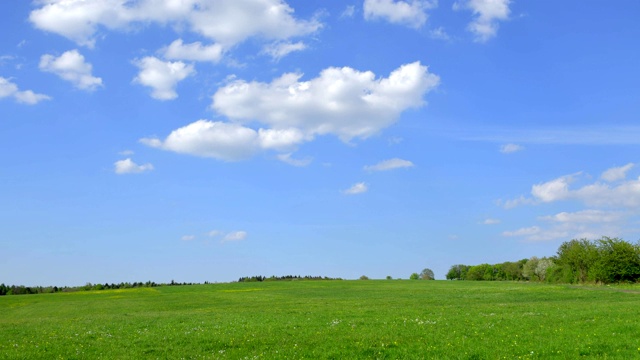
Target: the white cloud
(279, 50)
(616, 173)
(348, 12)
(491, 221)
(390, 164)
(71, 66)
(586, 216)
(214, 233)
(511, 148)
(127, 166)
(487, 14)
(581, 224)
(227, 22)
(126, 152)
(187, 237)
(225, 141)
(358, 188)
(523, 231)
(412, 13)
(439, 34)
(624, 194)
(162, 77)
(235, 236)
(9, 89)
(286, 158)
(341, 101)
(195, 51)
(554, 190)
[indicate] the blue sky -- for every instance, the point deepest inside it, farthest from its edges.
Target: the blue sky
(203, 140)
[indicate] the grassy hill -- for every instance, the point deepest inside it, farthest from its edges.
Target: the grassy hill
(326, 320)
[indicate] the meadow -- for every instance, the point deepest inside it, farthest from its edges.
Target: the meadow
(376, 319)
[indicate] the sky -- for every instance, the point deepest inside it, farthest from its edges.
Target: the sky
(205, 140)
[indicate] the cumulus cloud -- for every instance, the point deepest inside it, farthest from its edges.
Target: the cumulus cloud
(554, 190)
(279, 50)
(288, 112)
(511, 148)
(187, 237)
(227, 22)
(616, 173)
(523, 231)
(127, 166)
(71, 66)
(162, 76)
(411, 13)
(225, 141)
(487, 14)
(623, 194)
(9, 89)
(357, 188)
(341, 101)
(195, 51)
(235, 236)
(390, 164)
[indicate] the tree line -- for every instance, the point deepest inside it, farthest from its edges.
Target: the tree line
(260, 278)
(606, 260)
(26, 290)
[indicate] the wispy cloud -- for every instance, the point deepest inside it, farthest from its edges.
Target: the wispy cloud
(358, 188)
(390, 164)
(511, 148)
(235, 236)
(587, 135)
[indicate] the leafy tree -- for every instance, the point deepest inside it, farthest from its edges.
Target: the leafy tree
(457, 272)
(541, 268)
(512, 270)
(577, 257)
(389, 277)
(618, 261)
(478, 272)
(414, 276)
(364, 277)
(427, 274)
(529, 269)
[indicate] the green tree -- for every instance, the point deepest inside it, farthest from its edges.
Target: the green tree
(577, 257)
(427, 274)
(529, 269)
(414, 276)
(364, 277)
(618, 261)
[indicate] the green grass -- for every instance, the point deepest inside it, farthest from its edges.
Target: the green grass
(386, 319)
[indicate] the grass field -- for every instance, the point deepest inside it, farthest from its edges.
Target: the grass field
(385, 319)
